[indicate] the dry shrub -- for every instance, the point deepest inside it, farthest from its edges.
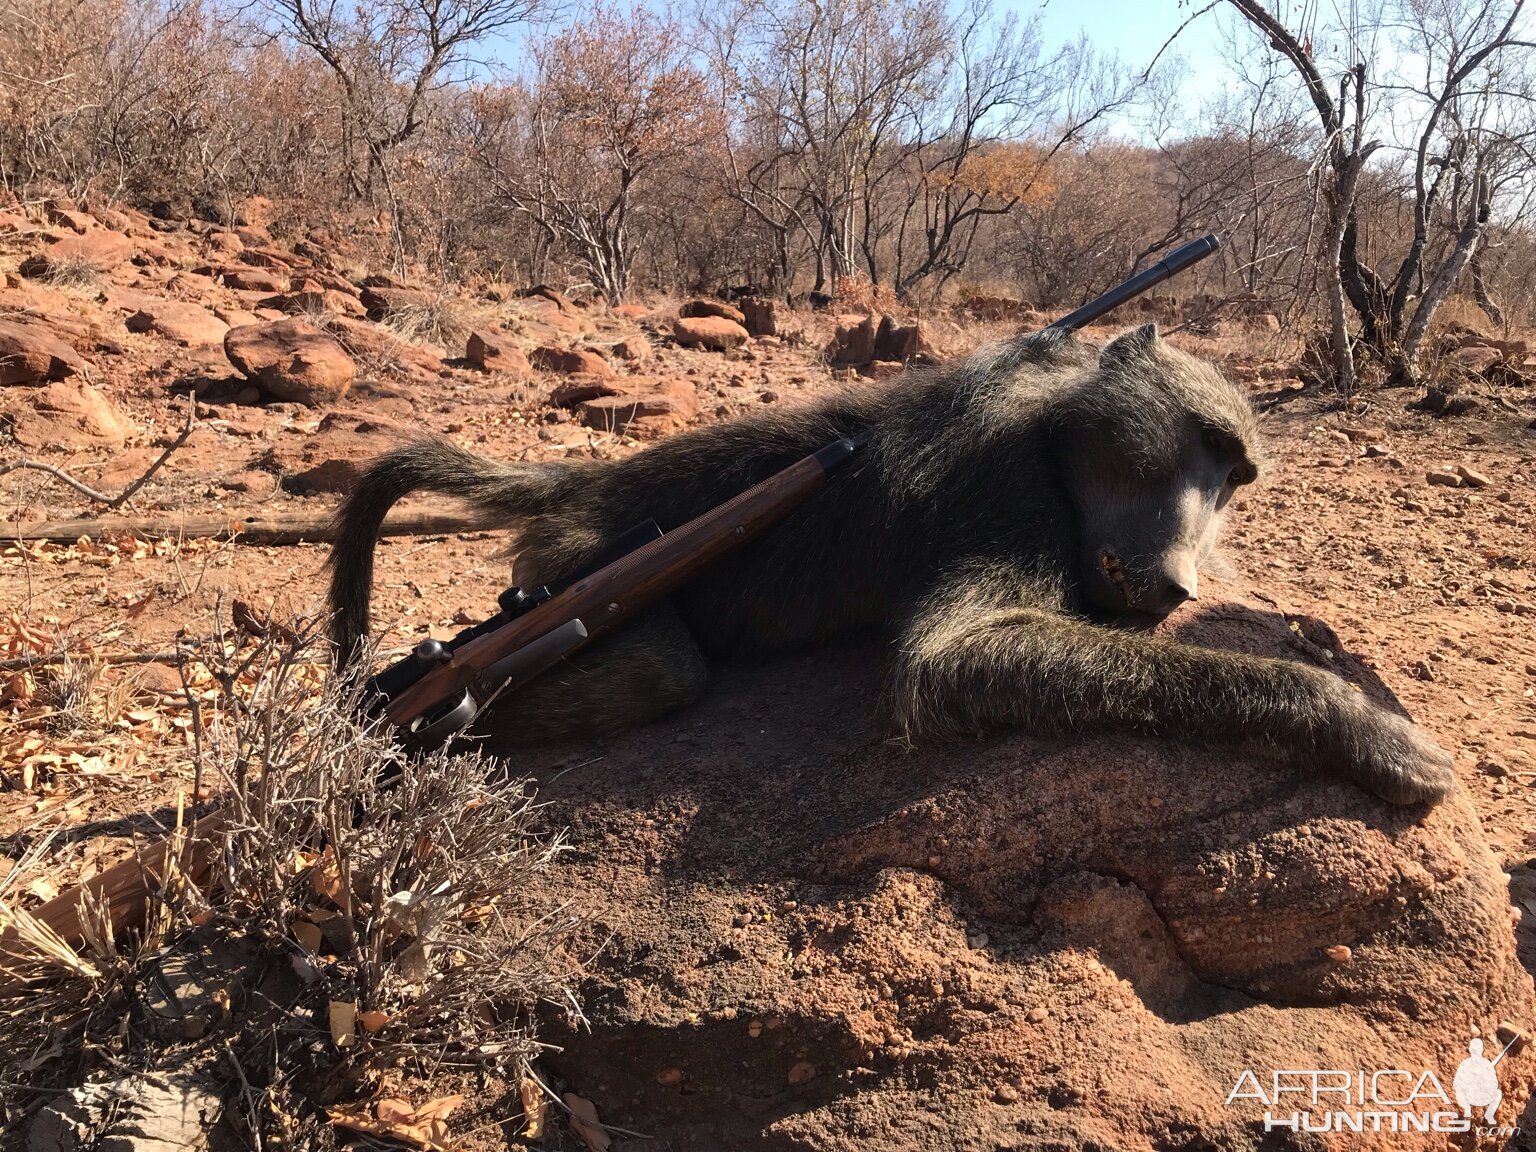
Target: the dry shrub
(442, 318)
(71, 272)
(395, 891)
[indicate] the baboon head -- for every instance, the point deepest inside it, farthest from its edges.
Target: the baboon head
(1153, 443)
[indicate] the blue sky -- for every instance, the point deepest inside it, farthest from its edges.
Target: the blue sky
(1134, 30)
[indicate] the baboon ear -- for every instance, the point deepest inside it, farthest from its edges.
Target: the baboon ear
(1132, 345)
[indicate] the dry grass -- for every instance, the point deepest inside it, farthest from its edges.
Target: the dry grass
(443, 318)
(71, 273)
(397, 892)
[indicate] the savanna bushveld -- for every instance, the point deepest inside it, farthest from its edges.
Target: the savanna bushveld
(1112, 738)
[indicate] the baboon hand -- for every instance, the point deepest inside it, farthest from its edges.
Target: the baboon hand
(1391, 756)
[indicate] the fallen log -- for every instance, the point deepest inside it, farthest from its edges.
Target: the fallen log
(280, 528)
(122, 891)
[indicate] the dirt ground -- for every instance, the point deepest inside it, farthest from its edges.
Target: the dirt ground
(1433, 587)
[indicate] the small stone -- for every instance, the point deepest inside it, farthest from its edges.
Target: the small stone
(755, 1029)
(1005, 1094)
(1444, 479)
(1339, 953)
(671, 1077)
(1492, 768)
(802, 1072)
(979, 940)
(1037, 1015)
(1375, 451)
(1470, 478)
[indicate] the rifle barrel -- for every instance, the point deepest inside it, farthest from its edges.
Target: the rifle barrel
(1176, 261)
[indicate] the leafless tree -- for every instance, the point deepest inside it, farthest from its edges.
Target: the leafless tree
(1455, 113)
(616, 99)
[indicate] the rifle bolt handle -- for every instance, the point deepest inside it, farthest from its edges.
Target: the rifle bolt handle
(432, 652)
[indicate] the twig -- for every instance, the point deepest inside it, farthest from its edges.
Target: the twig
(112, 502)
(45, 660)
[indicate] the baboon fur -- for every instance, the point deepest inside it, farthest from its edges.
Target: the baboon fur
(1013, 523)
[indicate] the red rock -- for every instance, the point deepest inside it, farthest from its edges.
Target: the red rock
(73, 220)
(71, 414)
(250, 280)
(568, 361)
(882, 369)
(582, 387)
(760, 316)
(900, 342)
(11, 224)
(670, 409)
(334, 457)
(713, 332)
(700, 307)
(30, 354)
(385, 350)
(225, 243)
(293, 360)
(492, 351)
(187, 324)
(853, 342)
(100, 249)
(633, 348)
(553, 295)
(632, 311)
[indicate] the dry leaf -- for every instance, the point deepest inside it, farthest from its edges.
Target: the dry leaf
(372, 1020)
(535, 1105)
(438, 1109)
(307, 934)
(393, 1110)
(343, 1014)
(584, 1122)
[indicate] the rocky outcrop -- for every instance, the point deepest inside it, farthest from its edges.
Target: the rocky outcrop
(808, 938)
(30, 354)
(293, 360)
(68, 412)
(187, 324)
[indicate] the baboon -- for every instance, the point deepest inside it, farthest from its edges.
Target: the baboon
(1015, 522)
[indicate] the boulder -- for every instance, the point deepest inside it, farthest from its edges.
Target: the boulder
(664, 407)
(713, 332)
(634, 348)
(67, 414)
(30, 354)
(701, 307)
(760, 316)
(551, 295)
(584, 386)
(293, 360)
(254, 280)
(853, 341)
(73, 219)
(569, 361)
(492, 351)
(1024, 943)
(100, 250)
(187, 324)
(385, 351)
(333, 458)
(901, 342)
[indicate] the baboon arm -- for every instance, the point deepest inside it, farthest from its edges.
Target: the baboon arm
(973, 664)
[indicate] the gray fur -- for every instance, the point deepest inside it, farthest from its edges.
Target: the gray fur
(1011, 516)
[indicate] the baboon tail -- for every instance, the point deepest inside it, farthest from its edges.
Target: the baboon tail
(505, 493)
